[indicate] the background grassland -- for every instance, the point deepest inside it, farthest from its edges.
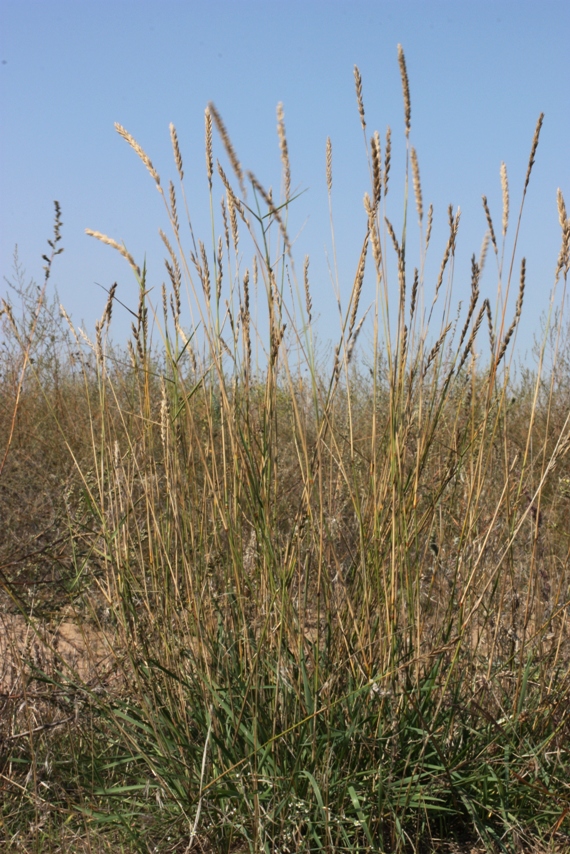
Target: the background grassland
(258, 599)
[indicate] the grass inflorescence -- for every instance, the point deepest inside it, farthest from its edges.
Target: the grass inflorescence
(258, 600)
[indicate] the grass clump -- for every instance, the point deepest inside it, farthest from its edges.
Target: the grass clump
(294, 604)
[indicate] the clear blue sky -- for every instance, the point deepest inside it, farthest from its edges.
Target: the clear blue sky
(480, 74)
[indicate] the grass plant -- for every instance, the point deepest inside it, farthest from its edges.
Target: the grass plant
(259, 600)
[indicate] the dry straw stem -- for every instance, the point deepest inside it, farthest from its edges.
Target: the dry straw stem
(358, 83)
(225, 137)
(176, 150)
(209, 153)
(284, 150)
(143, 156)
(329, 164)
(417, 184)
(505, 194)
(405, 89)
(121, 249)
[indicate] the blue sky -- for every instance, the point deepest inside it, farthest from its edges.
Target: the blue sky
(480, 74)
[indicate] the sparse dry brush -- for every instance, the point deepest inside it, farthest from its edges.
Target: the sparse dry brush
(316, 605)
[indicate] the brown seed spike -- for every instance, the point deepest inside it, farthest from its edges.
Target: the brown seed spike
(176, 150)
(284, 150)
(505, 192)
(329, 164)
(429, 225)
(308, 301)
(376, 167)
(142, 154)
(533, 150)
(209, 155)
(225, 137)
(518, 310)
(417, 185)
(405, 89)
(387, 156)
(490, 224)
(358, 82)
(121, 249)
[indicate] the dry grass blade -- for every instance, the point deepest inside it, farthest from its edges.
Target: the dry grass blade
(121, 249)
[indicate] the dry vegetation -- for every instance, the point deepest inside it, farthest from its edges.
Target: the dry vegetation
(270, 605)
